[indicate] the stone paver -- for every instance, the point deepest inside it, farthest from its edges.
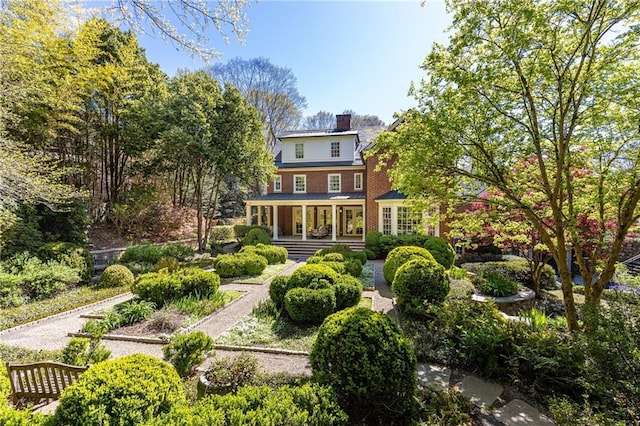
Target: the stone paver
(518, 413)
(480, 392)
(434, 375)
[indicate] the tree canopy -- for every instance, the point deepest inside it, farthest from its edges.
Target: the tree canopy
(538, 101)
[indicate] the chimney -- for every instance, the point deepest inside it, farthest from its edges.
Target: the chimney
(343, 122)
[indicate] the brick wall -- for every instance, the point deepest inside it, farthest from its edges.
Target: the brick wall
(377, 183)
(318, 181)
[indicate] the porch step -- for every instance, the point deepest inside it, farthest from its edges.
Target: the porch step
(303, 249)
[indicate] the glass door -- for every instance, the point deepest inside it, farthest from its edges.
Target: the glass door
(352, 221)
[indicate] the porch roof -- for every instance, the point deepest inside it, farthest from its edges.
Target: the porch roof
(392, 195)
(333, 196)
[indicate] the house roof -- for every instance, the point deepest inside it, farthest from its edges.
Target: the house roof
(314, 196)
(314, 133)
(357, 161)
(392, 195)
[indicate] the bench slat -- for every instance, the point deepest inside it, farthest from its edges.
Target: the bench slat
(41, 380)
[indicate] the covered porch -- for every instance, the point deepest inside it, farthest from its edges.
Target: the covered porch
(334, 217)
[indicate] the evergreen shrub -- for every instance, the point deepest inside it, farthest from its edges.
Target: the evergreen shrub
(273, 254)
(9, 290)
(186, 351)
(441, 250)
(348, 290)
(419, 283)
(72, 255)
(125, 391)
(116, 276)
(310, 305)
(157, 287)
(382, 387)
(277, 289)
(256, 236)
(169, 263)
(399, 256)
(312, 276)
(198, 282)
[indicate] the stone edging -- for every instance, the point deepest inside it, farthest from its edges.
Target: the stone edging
(64, 313)
(277, 351)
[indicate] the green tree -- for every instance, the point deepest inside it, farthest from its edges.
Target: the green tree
(536, 100)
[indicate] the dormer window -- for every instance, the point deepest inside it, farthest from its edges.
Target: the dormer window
(299, 150)
(335, 149)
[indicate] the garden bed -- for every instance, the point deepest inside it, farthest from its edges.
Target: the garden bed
(269, 272)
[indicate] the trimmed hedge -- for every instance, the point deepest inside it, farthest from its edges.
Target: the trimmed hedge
(277, 290)
(237, 265)
(115, 276)
(441, 250)
(273, 254)
(399, 256)
(150, 254)
(348, 290)
(370, 365)
(381, 245)
(160, 287)
(419, 283)
(125, 391)
(310, 305)
(309, 404)
(72, 255)
(311, 276)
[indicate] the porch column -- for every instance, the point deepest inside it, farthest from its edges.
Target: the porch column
(364, 221)
(275, 222)
(248, 208)
(334, 224)
(304, 222)
(259, 215)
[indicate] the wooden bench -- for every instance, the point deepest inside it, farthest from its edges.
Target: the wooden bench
(31, 383)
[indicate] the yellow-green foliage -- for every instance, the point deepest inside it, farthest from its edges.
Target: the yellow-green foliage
(115, 276)
(124, 391)
(399, 256)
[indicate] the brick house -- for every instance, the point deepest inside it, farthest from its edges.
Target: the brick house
(325, 188)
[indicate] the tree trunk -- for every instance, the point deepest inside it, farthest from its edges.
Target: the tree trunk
(567, 288)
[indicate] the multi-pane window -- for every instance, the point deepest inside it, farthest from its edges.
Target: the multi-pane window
(300, 183)
(299, 150)
(386, 220)
(277, 184)
(432, 227)
(408, 220)
(335, 149)
(357, 181)
(334, 183)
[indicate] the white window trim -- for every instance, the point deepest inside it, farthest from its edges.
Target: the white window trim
(355, 186)
(295, 190)
(329, 182)
(295, 151)
(277, 184)
(331, 149)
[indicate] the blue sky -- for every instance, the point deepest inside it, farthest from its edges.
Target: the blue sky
(359, 55)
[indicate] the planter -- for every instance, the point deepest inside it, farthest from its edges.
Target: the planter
(511, 305)
(204, 387)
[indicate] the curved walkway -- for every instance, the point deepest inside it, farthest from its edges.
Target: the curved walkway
(497, 406)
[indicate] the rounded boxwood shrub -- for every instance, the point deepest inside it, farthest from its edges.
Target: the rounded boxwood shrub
(157, 287)
(339, 267)
(348, 290)
(115, 276)
(125, 391)
(229, 265)
(273, 254)
(370, 365)
(333, 257)
(186, 351)
(441, 250)
(277, 289)
(72, 255)
(399, 256)
(256, 236)
(177, 250)
(314, 259)
(418, 283)
(142, 253)
(198, 282)
(309, 305)
(169, 263)
(308, 275)
(353, 267)
(254, 264)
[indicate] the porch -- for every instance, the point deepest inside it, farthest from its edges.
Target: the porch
(316, 217)
(299, 249)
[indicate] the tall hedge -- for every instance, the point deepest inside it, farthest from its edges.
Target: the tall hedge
(370, 365)
(399, 256)
(124, 391)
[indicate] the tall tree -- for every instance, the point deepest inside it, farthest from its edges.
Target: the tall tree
(320, 120)
(184, 23)
(213, 135)
(363, 120)
(555, 82)
(270, 89)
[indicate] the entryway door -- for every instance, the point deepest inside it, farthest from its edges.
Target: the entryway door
(352, 221)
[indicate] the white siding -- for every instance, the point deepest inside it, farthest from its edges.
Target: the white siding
(319, 148)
